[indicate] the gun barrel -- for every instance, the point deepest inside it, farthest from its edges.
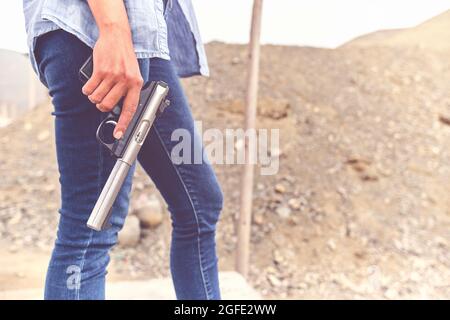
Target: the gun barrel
(103, 207)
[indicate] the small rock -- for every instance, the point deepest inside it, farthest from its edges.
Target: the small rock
(273, 108)
(149, 213)
(270, 270)
(258, 219)
(391, 294)
(444, 119)
(235, 60)
(131, 232)
(274, 281)
(294, 203)
(283, 212)
(359, 165)
(364, 168)
(302, 286)
(280, 188)
(293, 221)
(278, 257)
(435, 150)
(49, 188)
(13, 248)
(331, 244)
(39, 173)
(15, 219)
(440, 242)
(43, 135)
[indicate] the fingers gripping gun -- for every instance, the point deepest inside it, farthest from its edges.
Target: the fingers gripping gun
(152, 102)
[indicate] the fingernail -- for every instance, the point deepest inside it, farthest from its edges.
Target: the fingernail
(118, 135)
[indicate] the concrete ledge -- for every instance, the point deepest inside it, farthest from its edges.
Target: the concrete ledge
(233, 286)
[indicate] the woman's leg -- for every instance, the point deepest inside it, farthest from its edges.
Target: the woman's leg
(78, 264)
(191, 191)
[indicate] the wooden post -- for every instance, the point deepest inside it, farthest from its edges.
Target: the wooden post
(245, 216)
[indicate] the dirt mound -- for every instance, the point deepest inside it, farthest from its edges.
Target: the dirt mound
(432, 34)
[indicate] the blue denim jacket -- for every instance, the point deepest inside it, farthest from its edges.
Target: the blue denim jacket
(167, 32)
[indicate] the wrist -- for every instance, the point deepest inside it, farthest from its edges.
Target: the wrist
(111, 17)
(115, 29)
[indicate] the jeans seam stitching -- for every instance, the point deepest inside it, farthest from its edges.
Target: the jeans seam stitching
(205, 285)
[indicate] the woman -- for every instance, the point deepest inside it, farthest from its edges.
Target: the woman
(129, 41)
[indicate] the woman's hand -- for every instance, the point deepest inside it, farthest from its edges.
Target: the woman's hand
(116, 70)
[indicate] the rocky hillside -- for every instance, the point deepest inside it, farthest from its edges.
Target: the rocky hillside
(431, 34)
(360, 207)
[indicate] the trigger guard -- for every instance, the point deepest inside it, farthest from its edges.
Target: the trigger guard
(106, 121)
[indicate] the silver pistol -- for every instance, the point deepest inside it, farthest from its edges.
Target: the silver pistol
(152, 102)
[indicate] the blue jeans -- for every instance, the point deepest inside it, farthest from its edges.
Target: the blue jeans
(80, 256)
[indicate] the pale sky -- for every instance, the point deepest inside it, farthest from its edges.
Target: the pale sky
(320, 23)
